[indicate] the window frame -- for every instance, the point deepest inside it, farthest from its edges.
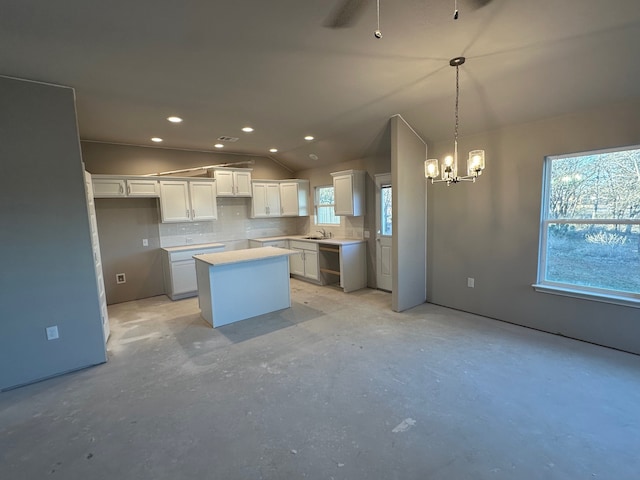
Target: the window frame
(316, 204)
(630, 299)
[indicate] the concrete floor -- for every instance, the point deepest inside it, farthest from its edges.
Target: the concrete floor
(337, 387)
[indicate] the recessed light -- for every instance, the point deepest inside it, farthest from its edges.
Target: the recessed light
(218, 145)
(273, 150)
(156, 139)
(313, 156)
(247, 129)
(308, 138)
(174, 119)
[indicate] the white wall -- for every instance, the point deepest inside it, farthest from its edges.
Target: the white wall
(46, 275)
(490, 230)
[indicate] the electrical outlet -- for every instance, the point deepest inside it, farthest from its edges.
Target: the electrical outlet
(366, 234)
(145, 242)
(189, 240)
(121, 278)
(52, 332)
(471, 282)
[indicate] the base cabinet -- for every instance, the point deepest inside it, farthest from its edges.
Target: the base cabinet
(305, 262)
(180, 269)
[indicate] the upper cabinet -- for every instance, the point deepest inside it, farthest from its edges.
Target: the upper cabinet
(280, 198)
(188, 200)
(111, 186)
(294, 198)
(233, 182)
(349, 188)
(266, 199)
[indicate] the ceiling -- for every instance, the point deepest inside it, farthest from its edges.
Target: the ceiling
(271, 64)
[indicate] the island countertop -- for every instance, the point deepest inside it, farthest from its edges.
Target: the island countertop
(240, 256)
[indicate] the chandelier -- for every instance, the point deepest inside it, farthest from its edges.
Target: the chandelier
(475, 163)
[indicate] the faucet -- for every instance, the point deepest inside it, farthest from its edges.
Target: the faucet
(322, 232)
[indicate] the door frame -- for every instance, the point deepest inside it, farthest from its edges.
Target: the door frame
(381, 179)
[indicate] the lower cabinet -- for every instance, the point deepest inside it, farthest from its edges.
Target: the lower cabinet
(180, 269)
(304, 264)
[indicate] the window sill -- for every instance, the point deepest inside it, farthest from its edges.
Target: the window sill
(585, 295)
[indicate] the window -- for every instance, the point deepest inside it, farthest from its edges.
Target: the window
(385, 210)
(325, 213)
(590, 233)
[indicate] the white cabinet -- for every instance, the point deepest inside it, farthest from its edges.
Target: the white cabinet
(305, 262)
(188, 200)
(266, 199)
(294, 198)
(233, 182)
(349, 189)
(97, 260)
(180, 269)
(110, 186)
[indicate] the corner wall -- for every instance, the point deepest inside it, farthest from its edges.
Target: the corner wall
(490, 230)
(47, 276)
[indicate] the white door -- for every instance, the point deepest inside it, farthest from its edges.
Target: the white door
(242, 182)
(296, 263)
(224, 182)
(384, 233)
(183, 276)
(259, 200)
(174, 201)
(343, 191)
(289, 199)
(273, 199)
(203, 200)
(311, 264)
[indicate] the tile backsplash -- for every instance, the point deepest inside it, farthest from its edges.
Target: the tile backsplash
(233, 227)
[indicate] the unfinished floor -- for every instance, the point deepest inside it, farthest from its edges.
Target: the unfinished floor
(337, 387)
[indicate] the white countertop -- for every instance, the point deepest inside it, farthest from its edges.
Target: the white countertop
(239, 256)
(329, 241)
(194, 246)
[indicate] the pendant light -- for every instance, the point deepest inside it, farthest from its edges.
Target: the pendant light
(475, 163)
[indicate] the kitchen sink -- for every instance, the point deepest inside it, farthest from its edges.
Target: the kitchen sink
(314, 237)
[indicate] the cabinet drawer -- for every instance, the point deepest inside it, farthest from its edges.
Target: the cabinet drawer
(188, 254)
(303, 245)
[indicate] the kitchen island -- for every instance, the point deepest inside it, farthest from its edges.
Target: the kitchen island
(240, 284)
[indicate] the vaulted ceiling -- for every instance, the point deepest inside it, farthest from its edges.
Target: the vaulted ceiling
(273, 65)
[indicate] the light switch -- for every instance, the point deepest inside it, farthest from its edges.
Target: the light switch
(471, 282)
(145, 242)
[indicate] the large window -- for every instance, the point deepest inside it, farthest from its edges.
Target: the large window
(325, 202)
(590, 235)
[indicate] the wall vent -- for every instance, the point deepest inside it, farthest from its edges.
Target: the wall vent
(224, 138)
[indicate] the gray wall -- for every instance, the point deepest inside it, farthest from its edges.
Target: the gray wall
(409, 256)
(490, 230)
(47, 275)
(122, 225)
(107, 158)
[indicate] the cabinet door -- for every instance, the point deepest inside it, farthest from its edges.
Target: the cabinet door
(183, 277)
(259, 200)
(273, 199)
(289, 199)
(174, 201)
(311, 264)
(108, 187)
(224, 183)
(343, 192)
(242, 182)
(296, 262)
(142, 188)
(203, 200)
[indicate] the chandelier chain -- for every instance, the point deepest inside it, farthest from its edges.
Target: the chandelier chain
(455, 133)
